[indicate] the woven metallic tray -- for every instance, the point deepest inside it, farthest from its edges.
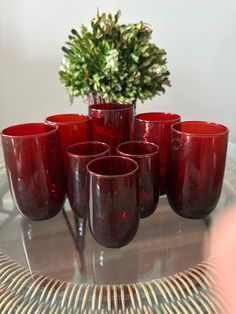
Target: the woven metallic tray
(190, 291)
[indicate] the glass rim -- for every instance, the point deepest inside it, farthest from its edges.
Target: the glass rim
(67, 122)
(123, 107)
(139, 155)
(69, 154)
(112, 176)
(40, 134)
(182, 133)
(160, 113)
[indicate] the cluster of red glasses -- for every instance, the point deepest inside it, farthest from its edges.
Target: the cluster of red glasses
(113, 165)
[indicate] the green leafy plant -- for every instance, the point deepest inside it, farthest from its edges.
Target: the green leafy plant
(113, 62)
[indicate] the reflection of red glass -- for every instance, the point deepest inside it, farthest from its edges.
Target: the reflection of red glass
(146, 154)
(78, 157)
(112, 123)
(113, 212)
(196, 167)
(155, 127)
(73, 128)
(108, 270)
(34, 167)
(54, 258)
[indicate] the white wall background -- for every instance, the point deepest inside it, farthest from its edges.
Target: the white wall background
(199, 36)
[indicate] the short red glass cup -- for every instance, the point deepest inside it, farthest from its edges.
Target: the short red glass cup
(112, 123)
(113, 195)
(73, 128)
(146, 154)
(34, 167)
(155, 127)
(78, 155)
(196, 166)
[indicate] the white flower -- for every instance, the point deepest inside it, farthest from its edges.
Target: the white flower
(112, 60)
(161, 69)
(64, 64)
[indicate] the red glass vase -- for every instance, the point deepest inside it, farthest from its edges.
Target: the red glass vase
(113, 193)
(112, 123)
(78, 156)
(196, 167)
(146, 154)
(155, 127)
(73, 128)
(35, 169)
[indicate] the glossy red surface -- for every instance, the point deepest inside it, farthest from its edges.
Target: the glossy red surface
(113, 212)
(112, 123)
(146, 154)
(73, 128)
(78, 155)
(155, 127)
(196, 167)
(35, 169)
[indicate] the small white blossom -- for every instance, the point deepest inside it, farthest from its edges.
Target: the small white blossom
(64, 64)
(112, 60)
(161, 69)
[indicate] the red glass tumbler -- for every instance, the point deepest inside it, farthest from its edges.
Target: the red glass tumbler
(35, 169)
(112, 123)
(73, 128)
(113, 211)
(146, 154)
(196, 167)
(155, 127)
(78, 155)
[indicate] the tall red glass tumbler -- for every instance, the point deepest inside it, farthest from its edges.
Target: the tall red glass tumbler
(196, 167)
(78, 155)
(146, 154)
(155, 127)
(112, 123)
(73, 128)
(113, 208)
(35, 169)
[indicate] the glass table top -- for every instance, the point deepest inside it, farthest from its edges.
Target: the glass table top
(63, 247)
(55, 266)
(164, 244)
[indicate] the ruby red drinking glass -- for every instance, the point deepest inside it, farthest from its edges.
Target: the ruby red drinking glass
(112, 123)
(155, 127)
(113, 193)
(73, 128)
(35, 169)
(196, 167)
(78, 155)
(146, 154)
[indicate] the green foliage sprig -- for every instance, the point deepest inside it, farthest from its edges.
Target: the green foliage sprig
(113, 62)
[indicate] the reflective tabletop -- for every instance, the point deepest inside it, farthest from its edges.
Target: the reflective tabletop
(63, 247)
